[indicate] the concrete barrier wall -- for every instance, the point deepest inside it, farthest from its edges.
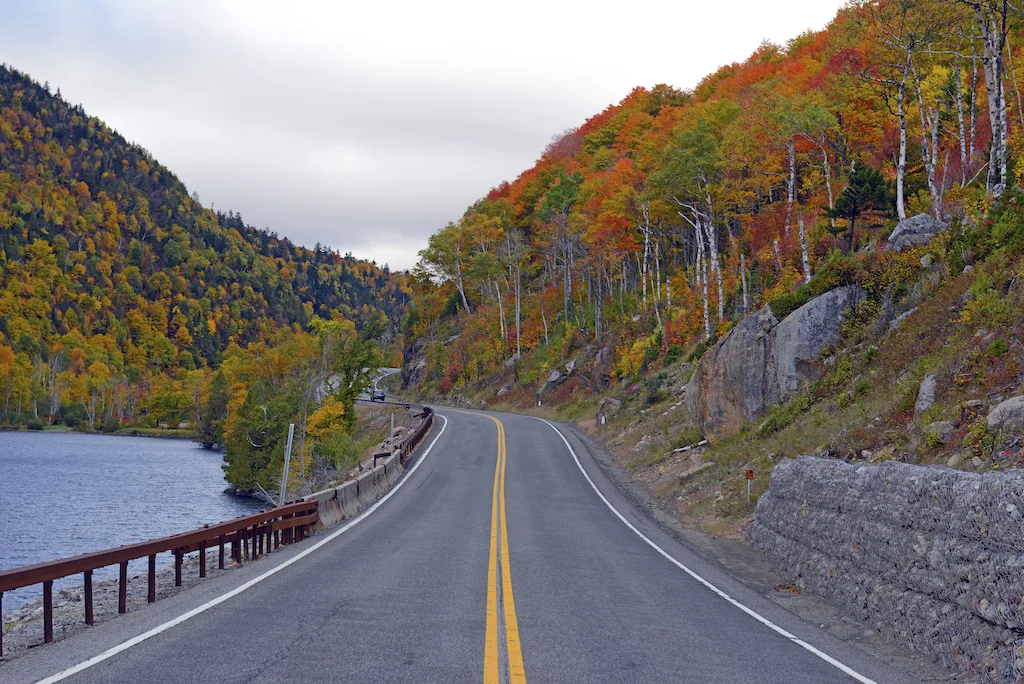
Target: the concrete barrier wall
(348, 500)
(931, 556)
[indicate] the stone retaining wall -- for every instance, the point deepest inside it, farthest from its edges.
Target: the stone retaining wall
(931, 556)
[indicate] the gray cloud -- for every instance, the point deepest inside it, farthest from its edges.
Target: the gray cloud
(363, 131)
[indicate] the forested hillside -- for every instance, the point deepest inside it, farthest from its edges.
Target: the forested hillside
(121, 295)
(647, 232)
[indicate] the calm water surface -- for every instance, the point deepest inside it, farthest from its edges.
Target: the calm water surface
(63, 494)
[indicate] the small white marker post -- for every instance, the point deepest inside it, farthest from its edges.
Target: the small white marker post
(750, 478)
(287, 458)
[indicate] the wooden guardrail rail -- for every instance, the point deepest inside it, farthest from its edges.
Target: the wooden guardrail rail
(250, 535)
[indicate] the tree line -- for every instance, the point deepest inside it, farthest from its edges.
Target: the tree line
(660, 221)
(124, 301)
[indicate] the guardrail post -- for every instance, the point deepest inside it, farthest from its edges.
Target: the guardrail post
(202, 558)
(88, 598)
(122, 591)
(220, 557)
(47, 611)
(1, 624)
(177, 567)
(151, 596)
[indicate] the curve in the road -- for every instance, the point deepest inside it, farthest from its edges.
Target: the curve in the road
(422, 591)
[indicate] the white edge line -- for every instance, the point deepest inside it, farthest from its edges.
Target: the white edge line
(749, 611)
(111, 652)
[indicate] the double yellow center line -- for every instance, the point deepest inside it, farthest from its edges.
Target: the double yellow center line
(517, 673)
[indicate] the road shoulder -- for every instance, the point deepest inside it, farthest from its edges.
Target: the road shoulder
(744, 564)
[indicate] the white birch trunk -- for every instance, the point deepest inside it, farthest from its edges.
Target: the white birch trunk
(702, 275)
(790, 182)
(803, 252)
(901, 164)
(959, 101)
(743, 277)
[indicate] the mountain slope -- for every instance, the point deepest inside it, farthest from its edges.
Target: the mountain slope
(99, 238)
(104, 257)
(648, 232)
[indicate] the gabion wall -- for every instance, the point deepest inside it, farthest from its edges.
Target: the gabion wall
(931, 556)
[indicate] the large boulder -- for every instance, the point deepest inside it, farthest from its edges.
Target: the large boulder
(1008, 417)
(555, 378)
(608, 405)
(414, 364)
(763, 362)
(727, 388)
(916, 230)
(925, 395)
(797, 342)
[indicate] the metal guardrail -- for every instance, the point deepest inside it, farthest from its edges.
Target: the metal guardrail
(251, 535)
(408, 445)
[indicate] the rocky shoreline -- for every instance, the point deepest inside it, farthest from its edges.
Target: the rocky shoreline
(23, 626)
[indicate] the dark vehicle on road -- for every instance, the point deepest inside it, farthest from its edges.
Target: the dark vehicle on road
(378, 395)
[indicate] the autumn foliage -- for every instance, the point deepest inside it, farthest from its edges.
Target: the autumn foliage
(662, 220)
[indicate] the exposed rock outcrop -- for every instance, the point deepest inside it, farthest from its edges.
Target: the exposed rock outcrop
(557, 377)
(608, 405)
(414, 364)
(797, 342)
(1008, 417)
(916, 230)
(764, 361)
(925, 395)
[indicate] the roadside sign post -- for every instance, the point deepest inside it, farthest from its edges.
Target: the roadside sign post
(287, 458)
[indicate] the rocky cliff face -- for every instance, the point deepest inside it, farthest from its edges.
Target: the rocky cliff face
(414, 364)
(763, 362)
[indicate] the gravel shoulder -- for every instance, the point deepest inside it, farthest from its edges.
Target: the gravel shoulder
(745, 564)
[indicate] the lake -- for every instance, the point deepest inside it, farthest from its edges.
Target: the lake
(62, 494)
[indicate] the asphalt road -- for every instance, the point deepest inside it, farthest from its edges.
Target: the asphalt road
(494, 560)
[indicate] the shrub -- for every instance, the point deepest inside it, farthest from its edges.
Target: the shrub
(1008, 226)
(827, 278)
(997, 348)
(690, 434)
(672, 354)
(34, 424)
(654, 392)
(782, 415)
(699, 350)
(73, 414)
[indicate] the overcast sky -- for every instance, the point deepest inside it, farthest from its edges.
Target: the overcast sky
(367, 126)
